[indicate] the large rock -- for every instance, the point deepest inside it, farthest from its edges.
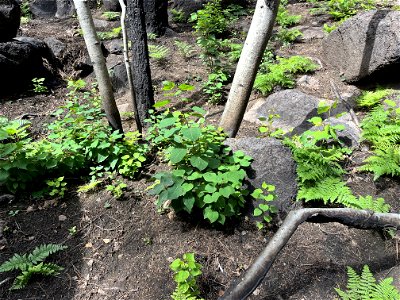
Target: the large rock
(273, 164)
(293, 106)
(10, 16)
(20, 61)
(43, 8)
(366, 46)
(188, 7)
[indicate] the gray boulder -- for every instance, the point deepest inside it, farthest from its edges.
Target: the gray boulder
(43, 8)
(273, 164)
(57, 47)
(293, 106)
(366, 46)
(10, 16)
(111, 5)
(119, 77)
(65, 9)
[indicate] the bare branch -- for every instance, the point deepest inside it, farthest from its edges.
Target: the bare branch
(361, 219)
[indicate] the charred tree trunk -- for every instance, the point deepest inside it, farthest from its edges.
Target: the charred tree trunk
(140, 58)
(156, 16)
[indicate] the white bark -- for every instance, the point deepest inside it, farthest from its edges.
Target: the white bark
(250, 58)
(99, 64)
(128, 66)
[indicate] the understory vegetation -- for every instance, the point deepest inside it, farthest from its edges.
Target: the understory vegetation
(201, 177)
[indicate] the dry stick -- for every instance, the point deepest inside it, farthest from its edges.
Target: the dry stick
(362, 219)
(99, 64)
(128, 66)
(348, 106)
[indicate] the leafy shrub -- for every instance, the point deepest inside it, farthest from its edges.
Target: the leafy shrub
(38, 85)
(343, 9)
(264, 209)
(186, 271)
(365, 287)
(178, 15)
(158, 52)
(284, 19)
(205, 175)
(214, 86)
(381, 127)
(282, 73)
(370, 99)
(32, 264)
(114, 33)
(77, 140)
(287, 36)
(185, 49)
(111, 15)
(318, 154)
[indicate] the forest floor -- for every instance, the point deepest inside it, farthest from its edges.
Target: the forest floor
(122, 249)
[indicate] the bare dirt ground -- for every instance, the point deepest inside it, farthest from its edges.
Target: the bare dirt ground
(123, 251)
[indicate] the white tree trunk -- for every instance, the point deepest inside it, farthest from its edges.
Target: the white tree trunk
(99, 64)
(246, 70)
(128, 66)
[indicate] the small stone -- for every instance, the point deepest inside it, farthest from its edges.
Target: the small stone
(62, 218)
(106, 241)
(256, 292)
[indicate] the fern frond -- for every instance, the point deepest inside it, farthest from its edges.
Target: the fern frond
(370, 99)
(365, 287)
(383, 162)
(158, 52)
(17, 262)
(43, 251)
(369, 203)
(41, 269)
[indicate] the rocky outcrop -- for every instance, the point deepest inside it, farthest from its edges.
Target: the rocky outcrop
(10, 16)
(365, 47)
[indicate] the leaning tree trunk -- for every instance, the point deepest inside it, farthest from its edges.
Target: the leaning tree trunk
(99, 64)
(140, 58)
(361, 219)
(156, 16)
(246, 70)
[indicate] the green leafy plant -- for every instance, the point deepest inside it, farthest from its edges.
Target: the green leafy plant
(318, 154)
(178, 15)
(117, 189)
(57, 186)
(158, 52)
(287, 36)
(328, 28)
(381, 128)
(32, 264)
(111, 15)
(26, 14)
(186, 271)
(369, 99)
(282, 73)
(366, 287)
(264, 209)
(185, 49)
(77, 140)
(114, 33)
(205, 176)
(284, 18)
(343, 9)
(38, 85)
(214, 86)
(267, 129)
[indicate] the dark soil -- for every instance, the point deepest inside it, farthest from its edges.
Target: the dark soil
(122, 249)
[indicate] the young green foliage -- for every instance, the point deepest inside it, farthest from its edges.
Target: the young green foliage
(186, 271)
(185, 49)
(114, 33)
(32, 264)
(284, 18)
(365, 287)
(282, 73)
(318, 154)
(111, 15)
(205, 175)
(381, 128)
(264, 209)
(213, 88)
(38, 85)
(158, 52)
(370, 99)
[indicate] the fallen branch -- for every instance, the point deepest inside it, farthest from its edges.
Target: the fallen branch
(361, 219)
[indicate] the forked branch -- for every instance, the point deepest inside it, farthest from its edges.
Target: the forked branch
(361, 219)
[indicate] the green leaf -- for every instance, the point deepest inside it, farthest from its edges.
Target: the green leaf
(264, 207)
(186, 87)
(198, 162)
(189, 203)
(101, 157)
(167, 122)
(210, 177)
(390, 103)
(211, 198)
(181, 276)
(257, 212)
(175, 191)
(227, 191)
(177, 155)
(199, 110)
(159, 104)
(167, 85)
(211, 214)
(317, 121)
(191, 134)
